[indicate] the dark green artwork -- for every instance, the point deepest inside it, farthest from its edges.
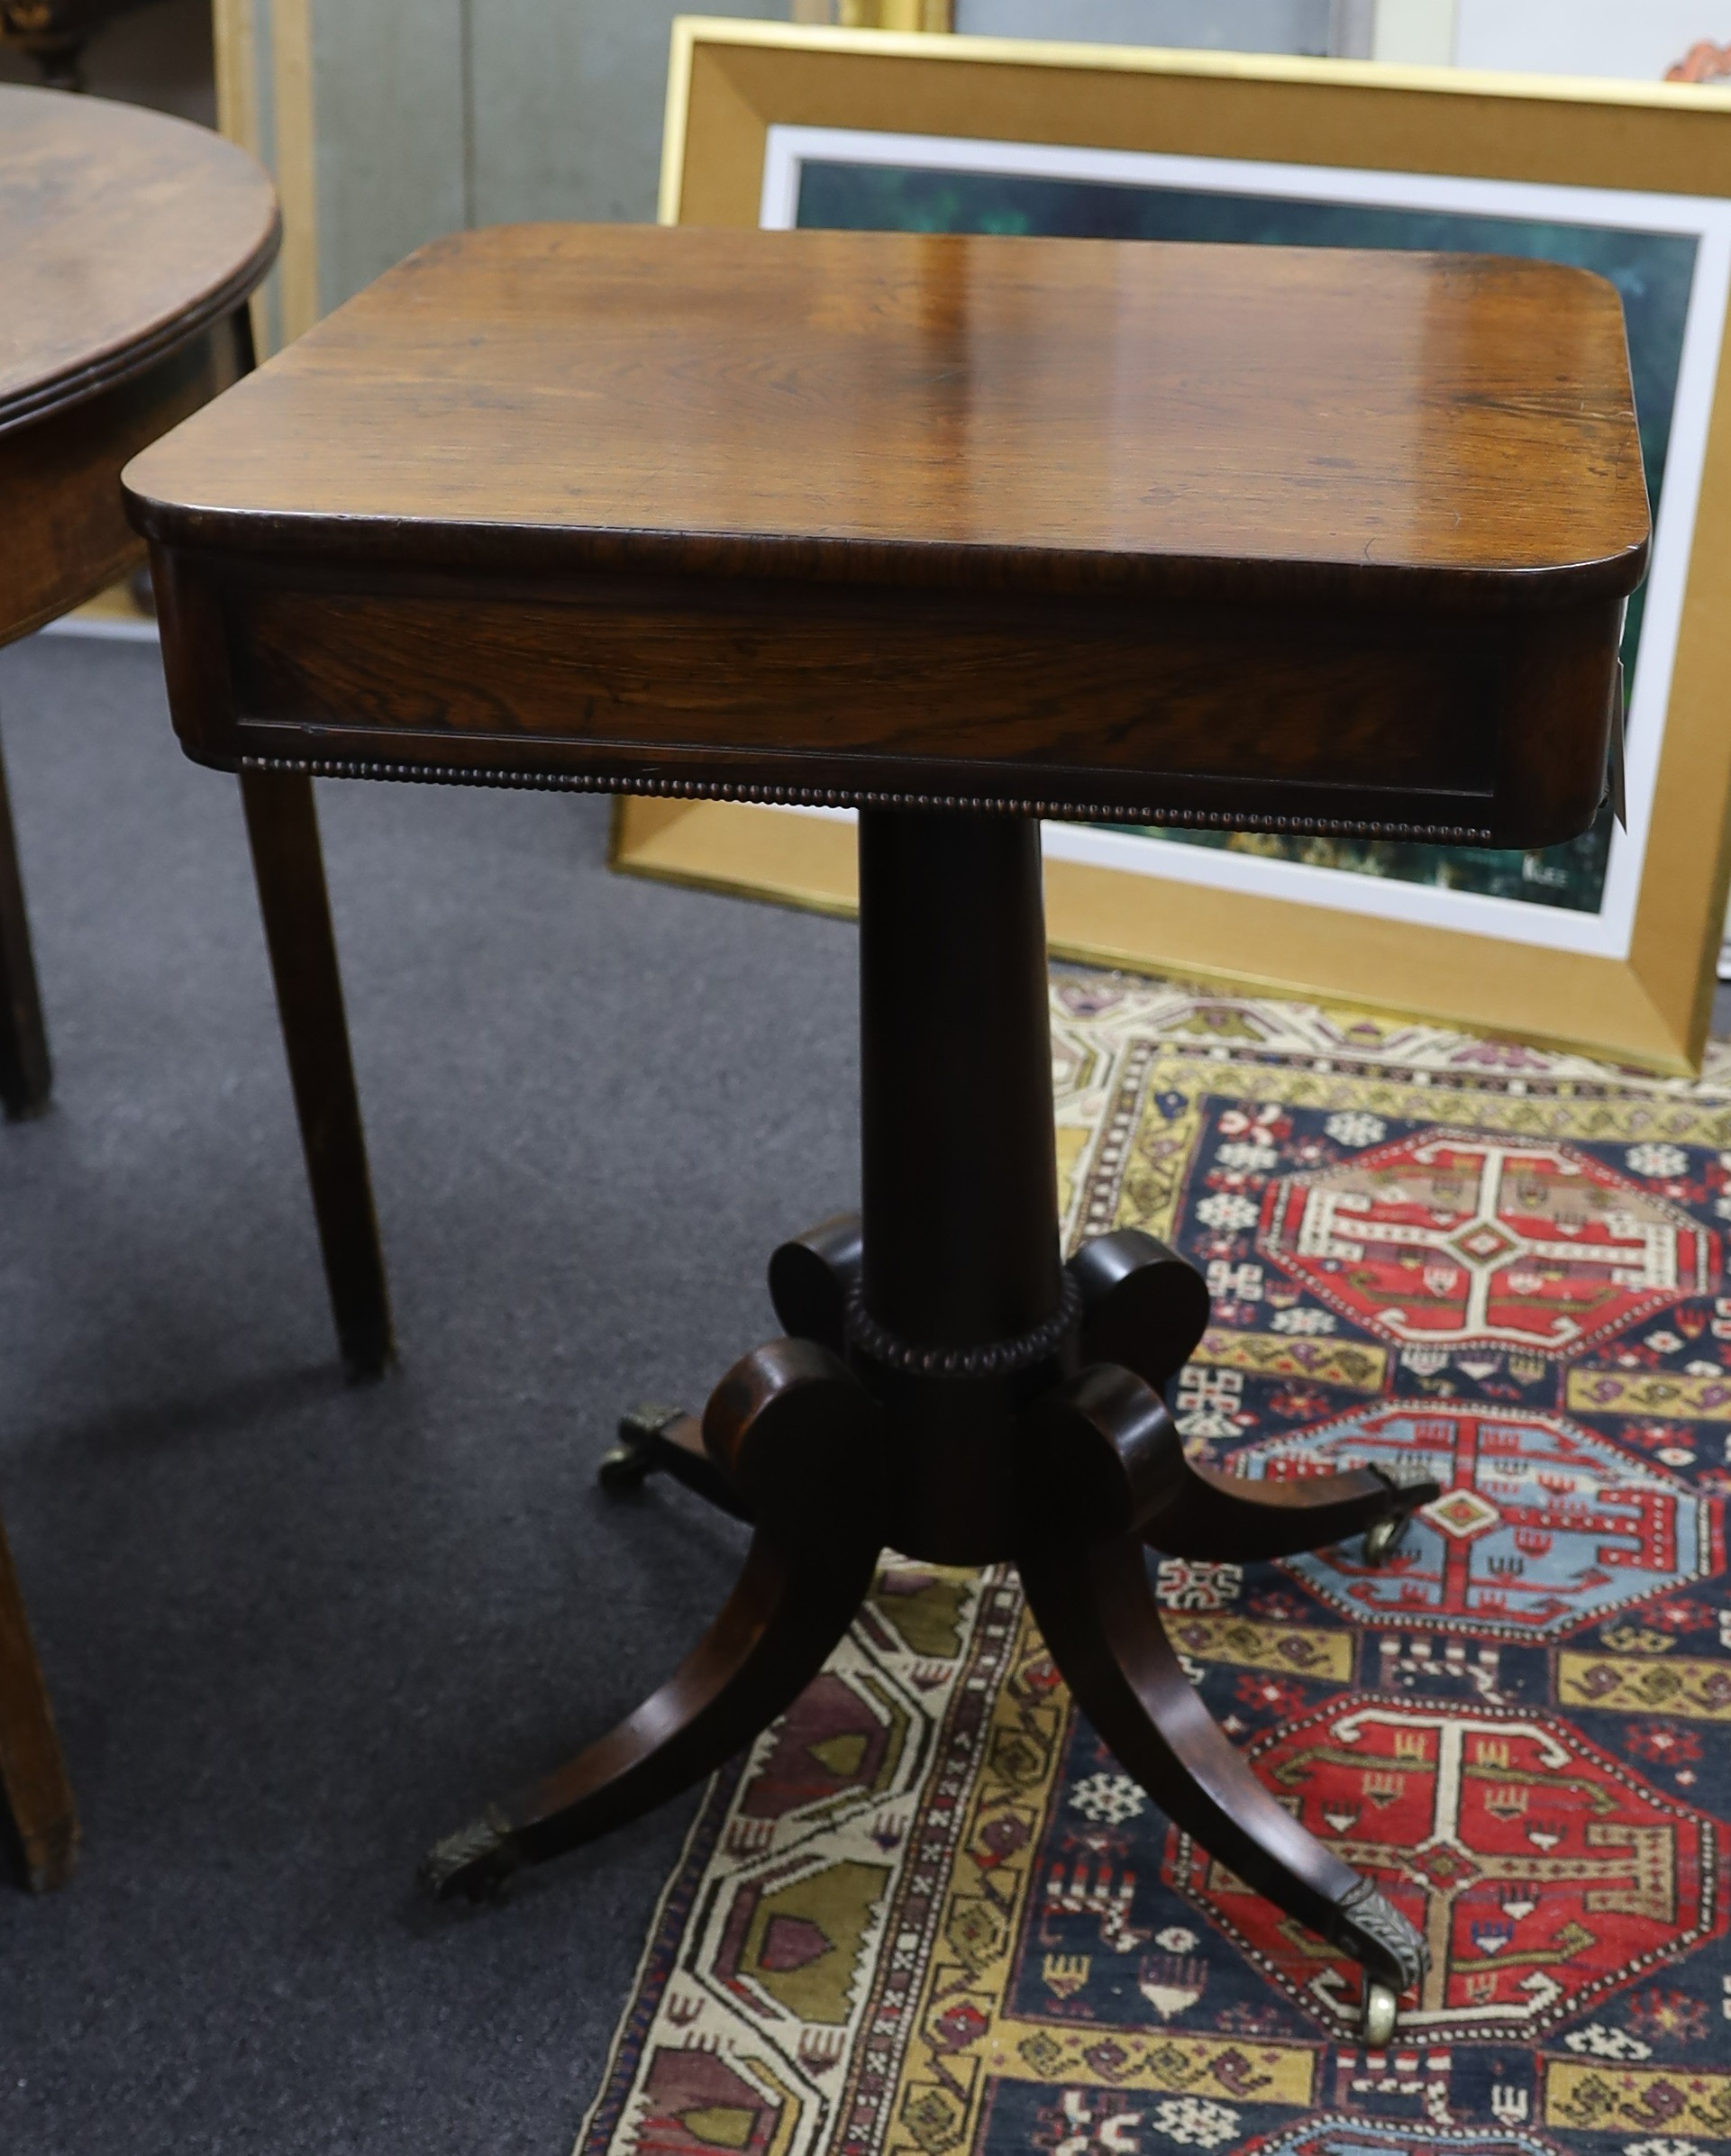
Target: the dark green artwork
(1652, 272)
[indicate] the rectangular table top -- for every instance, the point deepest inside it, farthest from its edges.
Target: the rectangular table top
(1081, 526)
(1039, 400)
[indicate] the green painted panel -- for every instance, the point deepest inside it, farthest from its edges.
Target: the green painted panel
(565, 100)
(387, 89)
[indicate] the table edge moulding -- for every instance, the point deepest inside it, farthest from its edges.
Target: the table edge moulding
(960, 532)
(128, 311)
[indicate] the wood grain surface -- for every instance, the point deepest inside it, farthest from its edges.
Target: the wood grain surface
(123, 235)
(1025, 403)
(128, 242)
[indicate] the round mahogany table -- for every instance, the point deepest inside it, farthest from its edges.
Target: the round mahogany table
(130, 243)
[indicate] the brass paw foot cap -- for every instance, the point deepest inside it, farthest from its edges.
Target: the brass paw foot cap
(473, 1862)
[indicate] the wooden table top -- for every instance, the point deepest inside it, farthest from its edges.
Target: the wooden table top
(123, 234)
(1289, 539)
(882, 404)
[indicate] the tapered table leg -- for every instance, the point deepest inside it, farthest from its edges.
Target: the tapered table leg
(282, 827)
(33, 1773)
(1103, 1627)
(1104, 1468)
(1231, 1518)
(774, 1634)
(25, 1075)
(1143, 1310)
(791, 1428)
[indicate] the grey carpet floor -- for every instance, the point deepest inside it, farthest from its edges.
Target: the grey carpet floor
(296, 1629)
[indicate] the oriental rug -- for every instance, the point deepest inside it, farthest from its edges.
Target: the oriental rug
(928, 1915)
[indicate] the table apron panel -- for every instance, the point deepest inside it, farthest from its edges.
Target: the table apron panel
(60, 479)
(1488, 726)
(1195, 695)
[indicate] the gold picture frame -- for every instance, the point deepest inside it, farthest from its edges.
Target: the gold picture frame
(1635, 988)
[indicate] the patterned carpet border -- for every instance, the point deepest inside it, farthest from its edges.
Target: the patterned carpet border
(927, 1916)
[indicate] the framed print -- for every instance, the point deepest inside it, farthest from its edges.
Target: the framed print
(1677, 41)
(1606, 944)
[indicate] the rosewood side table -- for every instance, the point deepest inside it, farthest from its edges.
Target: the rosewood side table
(129, 243)
(961, 532)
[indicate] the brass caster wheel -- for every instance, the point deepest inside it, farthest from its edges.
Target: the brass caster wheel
(633, 1460)
(625, 1468)
(1377, 2020)
(1385, 1536)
